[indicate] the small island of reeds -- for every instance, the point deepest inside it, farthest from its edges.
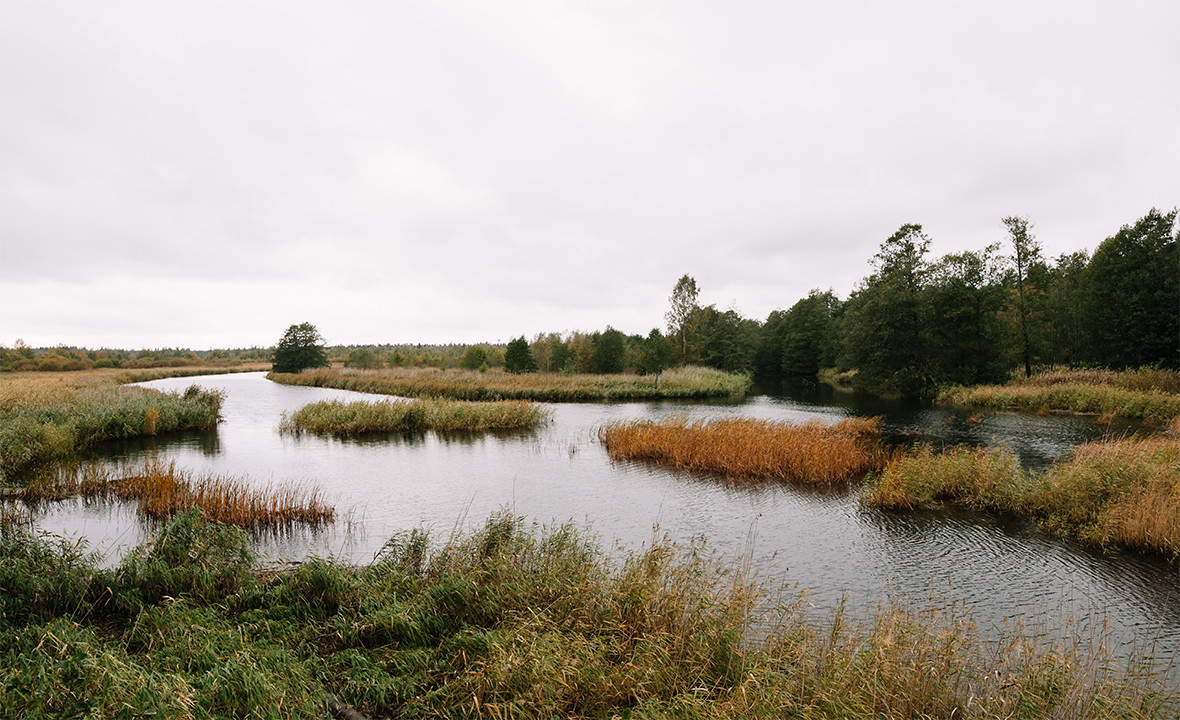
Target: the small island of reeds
(344, 419)
(1116, 492)
(745, 448)
(161, 491)
(685, 382)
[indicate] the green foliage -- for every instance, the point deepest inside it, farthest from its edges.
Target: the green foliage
(301, 347)
(515, 620)
(965, 296)
(43, 577)
(201, 560)
(655, 355)
(682, 305)
(886, 330)
(1133, 288)
(518, 358)
(474, 358)
(808, 335)
(609, 352)
(363, 359)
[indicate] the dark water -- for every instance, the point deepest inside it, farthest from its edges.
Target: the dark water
(820, 540)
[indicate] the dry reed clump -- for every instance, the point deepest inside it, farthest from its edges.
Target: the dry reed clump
(1112, 492)
(1123, 492)
(747, 448)
(162, 491)
(357, 418)
(688, 382)
(1145, 379)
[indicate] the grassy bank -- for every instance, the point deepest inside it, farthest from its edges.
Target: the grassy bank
(543, 387)
(162, 491)
(510, 622)
(1147, 393)
(751, 449)
(49, 417)
(358, 418)
(1123, 493)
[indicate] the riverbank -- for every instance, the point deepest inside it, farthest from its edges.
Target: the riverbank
(1147, 393)
(688, 382)
(50, 417)
(510, 621)
(1111, 493)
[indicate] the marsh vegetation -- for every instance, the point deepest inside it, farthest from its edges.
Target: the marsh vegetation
(687, 382)
(509, 621)
(53, 417)
(344, 419)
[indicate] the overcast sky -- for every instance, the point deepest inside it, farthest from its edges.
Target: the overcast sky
(204, 174)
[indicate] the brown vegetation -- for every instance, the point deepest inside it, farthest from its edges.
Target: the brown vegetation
(161, 491)
(747, 448)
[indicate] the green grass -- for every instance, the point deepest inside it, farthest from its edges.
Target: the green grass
(689, 382)
(358, 418)
(53, 417)
(1147, 393)
(510, 621)
(1123, 493)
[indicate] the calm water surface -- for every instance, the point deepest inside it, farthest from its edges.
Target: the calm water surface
(820, 540)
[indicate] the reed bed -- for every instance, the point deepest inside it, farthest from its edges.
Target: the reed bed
(746, 448)
(358, 418)
(511, 621)
(980, 478)
(471, 385)
(1121, 493)
(161, 491)
(1147, 393)
(45, 418)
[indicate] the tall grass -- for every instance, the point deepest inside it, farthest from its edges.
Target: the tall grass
(688, 382)
(161, 491)
(358, 418)
(746, 448)
(55, 417)
(1123, 493)
(510, 621)
(1147, 393)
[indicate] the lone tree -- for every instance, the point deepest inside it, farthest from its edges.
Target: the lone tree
(300, 347)
(518, 358)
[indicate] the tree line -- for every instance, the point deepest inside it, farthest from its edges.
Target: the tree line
(918, 322)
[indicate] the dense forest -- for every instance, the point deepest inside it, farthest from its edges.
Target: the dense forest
(915, 323)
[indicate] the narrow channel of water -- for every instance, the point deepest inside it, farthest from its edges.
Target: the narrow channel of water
(820, 540)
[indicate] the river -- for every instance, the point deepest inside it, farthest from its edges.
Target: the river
(819, 540)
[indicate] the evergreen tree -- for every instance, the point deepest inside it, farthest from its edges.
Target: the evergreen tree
(1133, 286)
(301, 347)
(965, 294)
(609, 352)
(518, 358)
(810, 337)
(885, 330)
(654, 354)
